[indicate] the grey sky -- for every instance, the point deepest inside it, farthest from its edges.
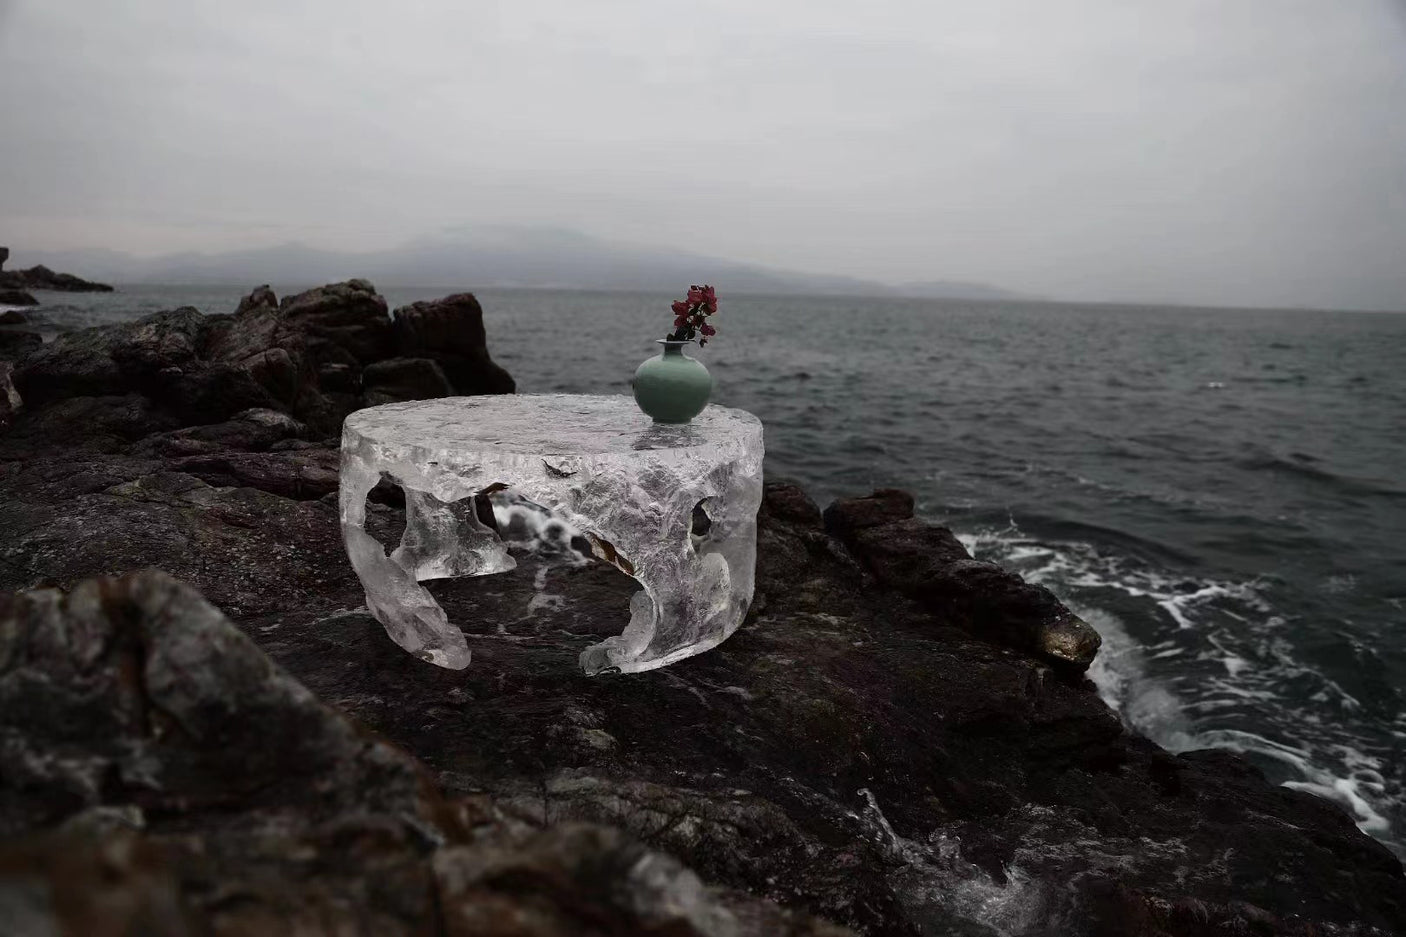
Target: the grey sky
(1231, 151)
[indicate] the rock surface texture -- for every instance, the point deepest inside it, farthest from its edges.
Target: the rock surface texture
(306, 356)
(450, 332)
(898, 740)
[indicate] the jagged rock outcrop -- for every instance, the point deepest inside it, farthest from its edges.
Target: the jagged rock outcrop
(15, 343)
(450, 331)
(15, 298)
(928, 564)
(159, 770)
(404, 379)
(40, 277)
(308, 356)
(339, 322)
(895, 742)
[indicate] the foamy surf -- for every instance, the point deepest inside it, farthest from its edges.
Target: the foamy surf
(1202, 663)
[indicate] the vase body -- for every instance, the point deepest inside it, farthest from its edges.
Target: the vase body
(672, 387)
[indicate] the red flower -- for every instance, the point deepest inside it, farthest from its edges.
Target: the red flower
(691, 312)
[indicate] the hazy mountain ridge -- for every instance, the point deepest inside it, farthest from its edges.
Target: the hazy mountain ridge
(485, 258)
(958, 289)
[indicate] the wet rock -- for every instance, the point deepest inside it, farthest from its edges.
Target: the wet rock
(256, 430)
(79, 882)
(404, 379)
(929, 564)
(280, 374)
(787, 501)
(253, 330)
(575, 872)
(883, 506)
(102, 514)
(162, 775)
(15, 345)
(1068, 639)
(306, 356)
(804, 566)
(170, 705)
(451, 332)
(10, 401)
(85, 424)
(149, 356)
(348, 317)
(77, 364)
(299, 474)
(260, 298)
(15, 298)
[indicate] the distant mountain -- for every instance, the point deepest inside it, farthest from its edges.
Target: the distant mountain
(476, 258)
(958, 289)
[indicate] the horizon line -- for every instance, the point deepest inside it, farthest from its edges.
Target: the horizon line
(635, 290)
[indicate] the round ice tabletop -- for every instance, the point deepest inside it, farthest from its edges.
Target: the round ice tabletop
(630, 484)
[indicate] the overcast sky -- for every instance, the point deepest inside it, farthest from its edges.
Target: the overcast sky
(1214, 151)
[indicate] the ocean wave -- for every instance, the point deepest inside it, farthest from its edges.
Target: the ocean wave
(1356, 791)
(1284, 379)
(1297, 466)
(1075, 537)
(1198, 662)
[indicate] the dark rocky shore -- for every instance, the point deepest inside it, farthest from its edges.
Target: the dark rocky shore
(900, 740)
(15, 283)
(40, 277)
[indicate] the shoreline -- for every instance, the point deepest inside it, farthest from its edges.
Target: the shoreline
(909, 680)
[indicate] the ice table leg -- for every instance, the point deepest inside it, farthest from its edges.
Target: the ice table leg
(407, 611)
(696, 586)
(445, 539)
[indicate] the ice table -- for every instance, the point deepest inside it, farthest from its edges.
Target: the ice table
(673, 506)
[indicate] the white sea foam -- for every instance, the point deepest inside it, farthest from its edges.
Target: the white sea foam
(1218, 665)
(1125, 683)
(1346, 791)
(942, 885)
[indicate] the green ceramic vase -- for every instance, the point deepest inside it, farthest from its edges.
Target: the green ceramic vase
(672, 387)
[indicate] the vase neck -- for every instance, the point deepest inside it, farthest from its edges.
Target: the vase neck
(673, 349)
